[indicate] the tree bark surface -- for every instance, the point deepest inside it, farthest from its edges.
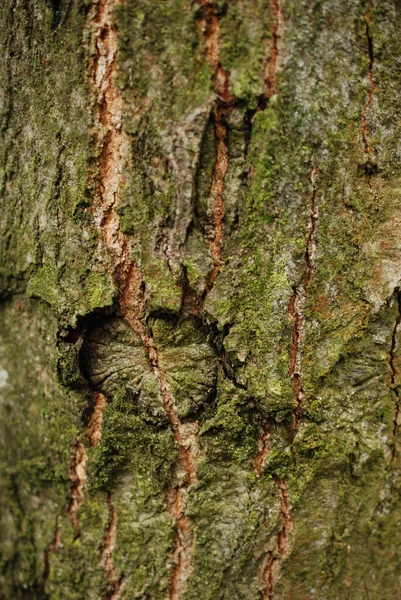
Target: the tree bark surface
(200, 299)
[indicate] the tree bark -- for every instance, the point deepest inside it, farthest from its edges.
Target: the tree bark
(200, 307)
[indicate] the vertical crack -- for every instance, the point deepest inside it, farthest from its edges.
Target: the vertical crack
(113, 140)
(217, 193)
(270, 90)
(212, 34)
(95, 423)
(225, 104)
(185, 436)
(114, 153)
(116, 584)
(271, 67)
(78, 481)
(295, 309)
(372, 87)
(281, 547)
(394, 376)
(281, 544)
(55, 543)
(263, 451)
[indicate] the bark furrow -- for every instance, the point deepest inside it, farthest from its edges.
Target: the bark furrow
(295, 306)
(281, 546)
(115, 583)
(394, 376)
(114, 152)
(78, 481)
(371, 89)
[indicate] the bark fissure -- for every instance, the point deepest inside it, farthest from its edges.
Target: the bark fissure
(225, 104)
(281, 545)
(9, 74)
(114, 143)
(131, 286)
(270, 90)
(116, 584)
(55, 543)
(297, 299)
(78, 480)
(95, 421)
(371, 90)
(271, 67)
(217, 193)
(263, 450)
(394, 376)
(185, 436)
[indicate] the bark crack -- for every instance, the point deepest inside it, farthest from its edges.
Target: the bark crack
(225, 105)
(263, 451)
(281, 545)
(217, 193)
(114, 142)
(185, 436)
(372, 87)
(270, 79)
(394, 376)
(114, 153)
(295, 309)
(271, 67)
(95, 422)
(55, 543)
(78, 481)
(116, 584)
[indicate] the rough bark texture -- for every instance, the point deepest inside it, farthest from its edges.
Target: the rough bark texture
(200, 316)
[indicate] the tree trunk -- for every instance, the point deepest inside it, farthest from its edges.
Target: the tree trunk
(200, 318)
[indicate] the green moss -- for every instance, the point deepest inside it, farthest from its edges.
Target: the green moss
(129, 443)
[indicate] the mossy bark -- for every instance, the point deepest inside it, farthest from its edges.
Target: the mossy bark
(200, 299)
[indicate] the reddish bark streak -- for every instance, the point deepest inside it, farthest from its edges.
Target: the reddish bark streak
(280, 549)
(281, 546)
(263, 450)
(394, 376)
(294, 308)
(78, 481)
(225, 105)
(271, 67)
(116, 584)
(212, 33)
(114, 152)
(372, 87)
(184, 436)
(114, 142)
(217, 193)
(94, 428)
